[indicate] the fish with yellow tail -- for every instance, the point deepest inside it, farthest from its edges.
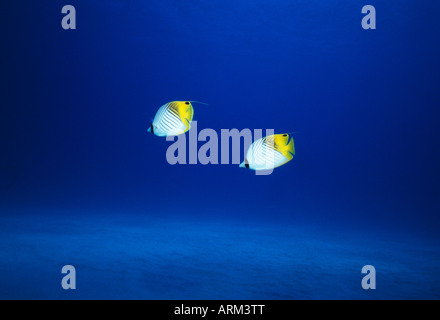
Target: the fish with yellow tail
(173, 118)
(269, 152)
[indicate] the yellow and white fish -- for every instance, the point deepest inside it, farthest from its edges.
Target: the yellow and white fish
(269, 152)
(172, 119)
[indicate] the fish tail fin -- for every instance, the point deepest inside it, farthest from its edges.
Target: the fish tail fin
(291, 147)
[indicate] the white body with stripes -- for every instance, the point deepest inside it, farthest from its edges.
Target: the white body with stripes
(263, 156)
(167, 123)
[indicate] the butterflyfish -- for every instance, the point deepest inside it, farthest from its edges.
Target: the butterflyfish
(269, 152)
(172, 119)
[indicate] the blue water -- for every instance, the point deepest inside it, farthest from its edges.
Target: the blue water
(82, 183)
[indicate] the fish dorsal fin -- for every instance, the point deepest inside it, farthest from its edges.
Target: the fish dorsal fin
(199, 102)
(184, 111)
(284, 144)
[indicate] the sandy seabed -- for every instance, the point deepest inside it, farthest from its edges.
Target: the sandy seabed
(123, 257)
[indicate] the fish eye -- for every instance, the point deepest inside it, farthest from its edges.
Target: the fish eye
(284, 135)
(187, 103)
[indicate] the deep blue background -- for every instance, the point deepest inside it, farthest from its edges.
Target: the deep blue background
(364, 105)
